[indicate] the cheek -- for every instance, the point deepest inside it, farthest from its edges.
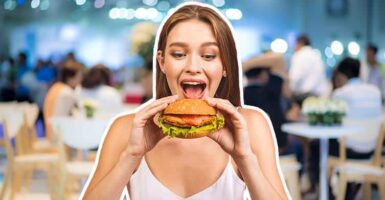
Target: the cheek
(172, 72)
(215, 76)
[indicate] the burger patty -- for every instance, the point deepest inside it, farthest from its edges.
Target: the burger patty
(188, 120)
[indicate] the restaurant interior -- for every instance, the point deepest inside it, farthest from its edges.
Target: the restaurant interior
(315, 67)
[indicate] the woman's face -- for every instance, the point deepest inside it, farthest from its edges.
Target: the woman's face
(191, 60)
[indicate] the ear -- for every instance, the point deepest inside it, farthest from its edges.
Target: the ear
(160, 60)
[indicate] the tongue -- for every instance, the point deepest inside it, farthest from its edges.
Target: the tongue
(193, 92)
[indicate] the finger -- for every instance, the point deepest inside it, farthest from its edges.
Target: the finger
(222, 137)
(156, 119)
(228, 109)
(142, 117)
(222, 105)
(225, 101)
(146, 113)
(157, 102)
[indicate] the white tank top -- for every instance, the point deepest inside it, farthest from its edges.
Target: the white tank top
(145, 186)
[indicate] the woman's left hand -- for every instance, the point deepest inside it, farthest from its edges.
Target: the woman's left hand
(234, 137)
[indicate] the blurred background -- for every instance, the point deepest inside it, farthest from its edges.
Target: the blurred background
(98, 54)
(101, 31)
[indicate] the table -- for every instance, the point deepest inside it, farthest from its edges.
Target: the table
(324, 133)
(80, 133)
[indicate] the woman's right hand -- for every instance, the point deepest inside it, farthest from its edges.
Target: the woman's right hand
(145, 134)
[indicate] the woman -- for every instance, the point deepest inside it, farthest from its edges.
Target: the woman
(96, 86)
(61, 97)
(195, 44)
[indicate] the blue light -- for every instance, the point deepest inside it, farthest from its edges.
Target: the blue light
(20, 2)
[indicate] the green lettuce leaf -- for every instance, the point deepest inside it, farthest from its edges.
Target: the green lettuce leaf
(173, 131)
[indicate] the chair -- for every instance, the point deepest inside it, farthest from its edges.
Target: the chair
(80, 134)
(19, 165)
(4, 105)
(290, 168)
(35, 144)
(371, 132)
(27, 137)
(365, 171)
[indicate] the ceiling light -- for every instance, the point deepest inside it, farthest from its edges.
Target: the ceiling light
(35, 3)
(80, 2)
(337, 47)
(44, 5)
(9, 5)
(279, 45)
(163, 6)
(354, 48)
(219, 3)
(150, 2)
(233, 14)
(99, 3)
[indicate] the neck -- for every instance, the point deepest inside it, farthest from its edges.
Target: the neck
(68, 84)
(372, 63)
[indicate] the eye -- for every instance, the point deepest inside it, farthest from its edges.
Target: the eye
(209, 56)
(178, 55)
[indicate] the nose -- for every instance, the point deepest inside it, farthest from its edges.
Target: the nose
(193, 65)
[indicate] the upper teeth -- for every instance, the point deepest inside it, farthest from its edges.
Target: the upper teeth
(192, 83)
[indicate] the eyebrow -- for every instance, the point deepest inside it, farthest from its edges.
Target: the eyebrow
(209, 44)
(181, 44)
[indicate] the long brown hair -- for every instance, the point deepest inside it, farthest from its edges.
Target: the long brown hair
(229, 85)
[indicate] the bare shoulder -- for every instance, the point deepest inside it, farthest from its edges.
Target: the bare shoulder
(120, 124)
(261, 132)
(118, 133)
(254, 115)
(263, 144)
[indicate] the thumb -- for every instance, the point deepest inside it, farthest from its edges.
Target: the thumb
(217, 135)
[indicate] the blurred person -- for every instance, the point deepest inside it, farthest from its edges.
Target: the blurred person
(266, 90)
(363, 101)
(96, 86)
(195, 48)
(307, 71)
(70, 57)
(146, 81)
(362, 98)
(61, 97)
(4, 71)
(45, 71)
(22, 67)
(276, 63)
(7, 79)
(372, 71)
(36, 89)
(337, 80)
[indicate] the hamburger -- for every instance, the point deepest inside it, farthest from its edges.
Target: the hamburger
(190, 118)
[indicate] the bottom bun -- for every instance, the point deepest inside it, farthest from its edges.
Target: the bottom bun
(195, 135)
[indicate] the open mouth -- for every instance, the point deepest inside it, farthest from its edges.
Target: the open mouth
(193, 89)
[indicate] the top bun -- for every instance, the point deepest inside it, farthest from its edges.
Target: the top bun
(190, 107)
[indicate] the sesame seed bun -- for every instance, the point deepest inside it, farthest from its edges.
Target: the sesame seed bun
(190, 107)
